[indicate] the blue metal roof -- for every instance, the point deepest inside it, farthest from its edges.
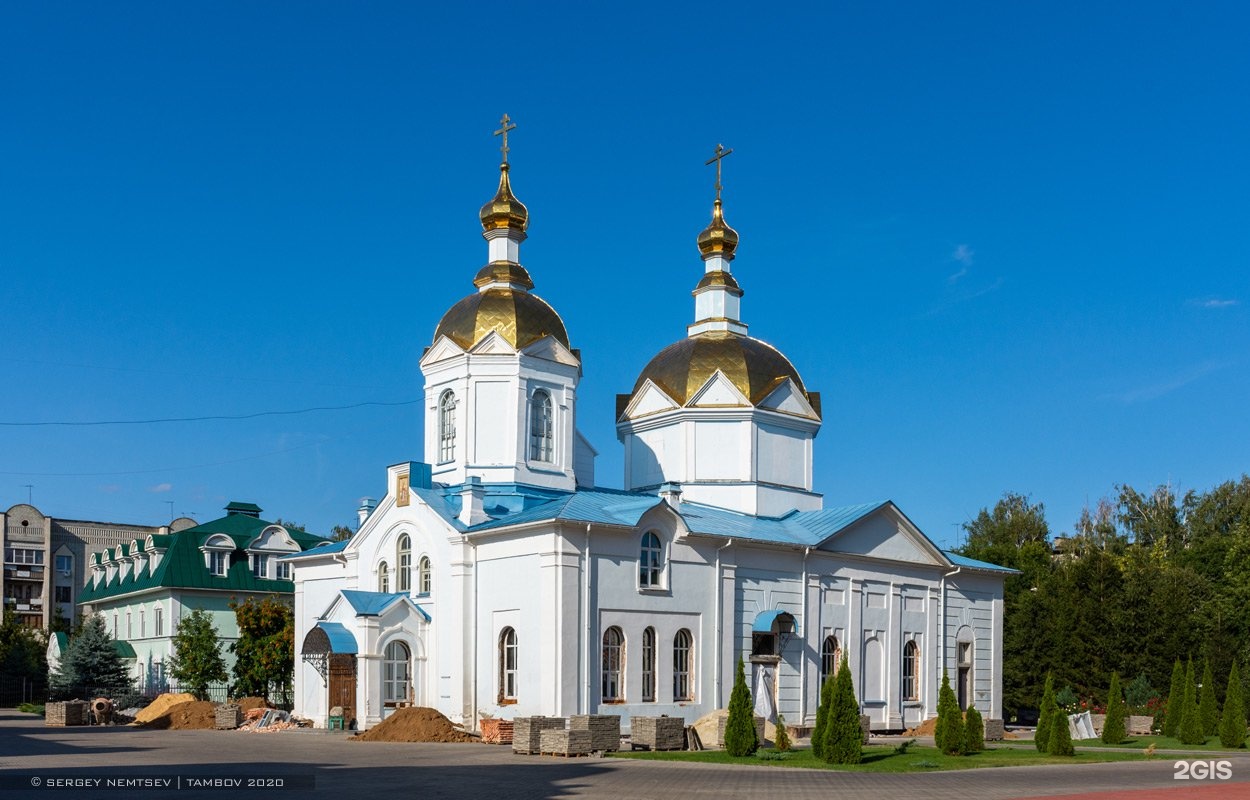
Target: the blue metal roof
(764, 620)
(972, 563)
(320, 549)
(341, 639)
(370, 604)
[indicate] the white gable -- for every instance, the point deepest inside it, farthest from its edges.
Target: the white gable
(718, 391)
(886, 534)
(788, 399)
(549, 348)
(651, 399)
(493, 344)
(274, 538)
(441, 350)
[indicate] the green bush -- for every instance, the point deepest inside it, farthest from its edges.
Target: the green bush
(740, 738)
(1060, 743)
(1045, 714)
(844, 739)
(1138, 694)
(948, 734)
(1233, 721)
(1208, 711)
(1190, 731)
(782, 738)
(1176, 702)
(1113, 729)
(1067, 699)
(974, 731)
(822, 714)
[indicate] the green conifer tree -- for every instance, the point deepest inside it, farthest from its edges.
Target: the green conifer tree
(782, 738)
(1208, 710)
(1190, 731)
(91, 663)
(822, 714)
(740, 738)
(844, 739)
(1113, 728)
(1045, 714)
(1176, 701)
(948, 735)
(974, 731)
(1060, 737)
(1233, 720)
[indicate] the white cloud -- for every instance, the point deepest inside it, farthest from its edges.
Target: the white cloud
(160, 487)
(1218, 302)
(963, 254)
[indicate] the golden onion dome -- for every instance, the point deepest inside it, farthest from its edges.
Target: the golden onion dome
(504, 210)
(718, 238)
(520, 317)
(754, 367)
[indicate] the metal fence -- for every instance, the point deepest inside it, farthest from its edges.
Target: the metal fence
(279, 696)
(18, 689)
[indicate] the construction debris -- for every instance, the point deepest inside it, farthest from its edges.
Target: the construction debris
(267, 720)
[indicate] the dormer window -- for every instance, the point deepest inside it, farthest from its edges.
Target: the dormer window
(218, 562)
(260, 565)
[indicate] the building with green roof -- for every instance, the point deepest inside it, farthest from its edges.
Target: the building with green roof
(144, 587)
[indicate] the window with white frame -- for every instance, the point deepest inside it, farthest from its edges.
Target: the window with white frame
(284, 570)
(542, 427)
(64, 564)
(650, 561)
(447, 427)
(507, 666)
(403, 557)
(613, 673)
(143, 625)
(423, 575)
(683, 666)
(158, 622)
(218, 562)
(384, 578)
(911, 671)
(260, 565)
(396, 673)
(648, 665)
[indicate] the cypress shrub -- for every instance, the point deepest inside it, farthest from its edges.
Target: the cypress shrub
(1191, 722)
(782, 740)
(974, 731)
(1045, 715)
(822, 715)
(1060, 737)
(740, 737)
(1208, 710)
(844, 740)
(1113, 729)
(1233, 722)
(1176, 702)
(948, 735)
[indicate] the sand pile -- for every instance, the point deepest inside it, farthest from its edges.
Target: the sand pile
(249, 703)
(160, 705)
(191, 715)
(415, 725)
(926, 728)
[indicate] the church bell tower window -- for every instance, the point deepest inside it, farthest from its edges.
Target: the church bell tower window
(541, 427)
(447, 427)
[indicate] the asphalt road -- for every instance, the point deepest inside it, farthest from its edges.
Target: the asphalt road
(329, 765)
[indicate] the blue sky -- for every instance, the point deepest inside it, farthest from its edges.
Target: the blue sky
(1007, 243)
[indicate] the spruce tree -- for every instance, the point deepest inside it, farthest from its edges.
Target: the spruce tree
(844, 739)
(948, 735)
(90, 663)
(1060, 737)
(1208, 711)
(740, 738)
(1233, 721)
(974, 731)
(1113, 728)
(196, 661)
(1176, 701)
(1190, 731)
(822, 714)
(1045, 715)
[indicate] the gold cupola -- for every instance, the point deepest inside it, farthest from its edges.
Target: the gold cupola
(504, 210)
(718, 239)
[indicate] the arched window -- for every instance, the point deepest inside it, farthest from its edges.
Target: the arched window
(507, 666)
(542, 436)
(384, 578)
(403, 557)
(650, 561)
(911, 671)
(447, 427)
(965, 650)
(613, 666)
(648, 665)
(683, 666)
(830, 655)
(423, 575)
(396, 673)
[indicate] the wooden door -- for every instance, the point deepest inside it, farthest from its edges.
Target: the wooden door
(343, 685)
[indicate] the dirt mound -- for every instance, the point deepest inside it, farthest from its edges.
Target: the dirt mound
(415, 725)
(160, 705)
(926, 728)
(248, 703)
(191, 715)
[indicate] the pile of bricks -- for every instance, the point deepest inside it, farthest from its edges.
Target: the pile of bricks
(658, 733)
(497, 731)
(605, 730)
(70, 712)
(229, 717)
(526, 733)
(565, 743)
(724, 720)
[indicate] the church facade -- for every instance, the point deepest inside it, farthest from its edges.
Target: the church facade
(495, 578)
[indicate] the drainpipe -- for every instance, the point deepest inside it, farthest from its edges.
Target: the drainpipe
(720, 639)
(803, 638)
(586, 624)
(942, 623)
(476, 635)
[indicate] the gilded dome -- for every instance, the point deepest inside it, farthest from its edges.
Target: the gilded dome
(520, 317)
(504, 210)
(754, 367)
(718, 238)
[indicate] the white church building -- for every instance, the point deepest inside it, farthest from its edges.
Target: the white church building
(495, 579)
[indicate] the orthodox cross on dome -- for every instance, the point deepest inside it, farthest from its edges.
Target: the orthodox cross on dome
(721, 152)
(507, 125)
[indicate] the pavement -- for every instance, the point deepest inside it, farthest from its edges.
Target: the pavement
(174, 763)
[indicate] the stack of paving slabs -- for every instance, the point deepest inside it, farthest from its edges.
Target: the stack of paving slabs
(724, 720)
(526, 732)
(605, 730)
(229, 717)
(658, 733)
(565, 743)
(70, 712)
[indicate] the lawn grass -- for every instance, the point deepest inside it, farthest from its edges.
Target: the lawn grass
(31, 708)
(884, 758)
(1160, 743)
